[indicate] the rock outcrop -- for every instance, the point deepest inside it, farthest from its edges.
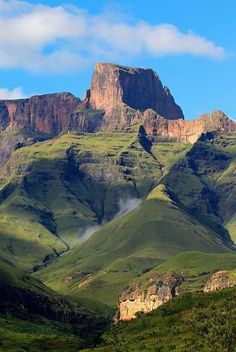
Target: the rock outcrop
(157, 289)
(140, 89)
(187, 131)
(47, 114)
(137, 300)
(220, 280)
(119, 98)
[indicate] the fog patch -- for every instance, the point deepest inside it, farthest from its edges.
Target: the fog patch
(127, 204)
(89, 232)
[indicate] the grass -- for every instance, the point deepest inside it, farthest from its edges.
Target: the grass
(204, 179)
(52, 191)
(34, 318)
(175, 326)
(195, 267)
(128, 246)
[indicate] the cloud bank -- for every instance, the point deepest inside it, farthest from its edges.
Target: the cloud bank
(37, 37)
(16, 93)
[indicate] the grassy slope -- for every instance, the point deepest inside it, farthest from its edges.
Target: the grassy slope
(52, 191)
(196, 267)
(172, 326)
(204, 180)
(32, 317)
(128, 246)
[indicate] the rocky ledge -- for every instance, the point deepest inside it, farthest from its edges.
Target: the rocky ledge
(220, 280)
(157, 289)
(137, 299)
(187, 131)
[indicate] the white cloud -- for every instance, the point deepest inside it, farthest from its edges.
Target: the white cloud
(16, 93)
(38, 37)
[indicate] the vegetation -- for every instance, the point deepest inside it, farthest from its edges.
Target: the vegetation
(204, 179)
(52, 191)
(195, 267)
(128, 246)
(193, 322)
(34, 318)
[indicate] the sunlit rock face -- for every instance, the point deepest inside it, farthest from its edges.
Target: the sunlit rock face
(47, 114)
(143, 300)
(220, 280)
(139, 88)
(187, 131)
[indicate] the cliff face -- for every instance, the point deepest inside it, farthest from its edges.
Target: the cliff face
(220, 280)
(160, 288)
(47, 114)
(187, 131)
(140, 89)
(119, 98)
(138, 300)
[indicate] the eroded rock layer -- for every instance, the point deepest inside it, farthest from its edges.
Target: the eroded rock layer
(187, 131)
(47, 114)
(221, 279)
(139, 300)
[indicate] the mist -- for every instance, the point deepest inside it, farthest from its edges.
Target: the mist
(89, 232)
(127, 204)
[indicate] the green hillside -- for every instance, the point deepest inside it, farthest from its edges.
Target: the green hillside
(52, 191)
(195, 267)
(193, 322)
(205, 179)
(161, 227)
(34, 318)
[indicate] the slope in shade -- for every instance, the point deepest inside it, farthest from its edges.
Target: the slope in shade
(33, 317)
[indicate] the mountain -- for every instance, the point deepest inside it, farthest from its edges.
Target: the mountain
(140, 89)
(119, 98)
(126, 247)
(113, 198)
(53, 191)
(204, 180)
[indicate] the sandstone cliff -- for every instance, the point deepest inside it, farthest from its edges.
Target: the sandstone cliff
(187, 131)
(48, 114)
(119, 98)
(137, 299)
(220, 280)
(140, 89)
(158, 288)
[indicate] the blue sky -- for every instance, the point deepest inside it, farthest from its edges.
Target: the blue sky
(51, 46)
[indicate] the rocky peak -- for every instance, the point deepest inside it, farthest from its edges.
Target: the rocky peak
(139, 88)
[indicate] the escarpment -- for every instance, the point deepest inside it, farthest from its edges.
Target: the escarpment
(119, 97)
(158, 288)
(47, 114)
(187, 131)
